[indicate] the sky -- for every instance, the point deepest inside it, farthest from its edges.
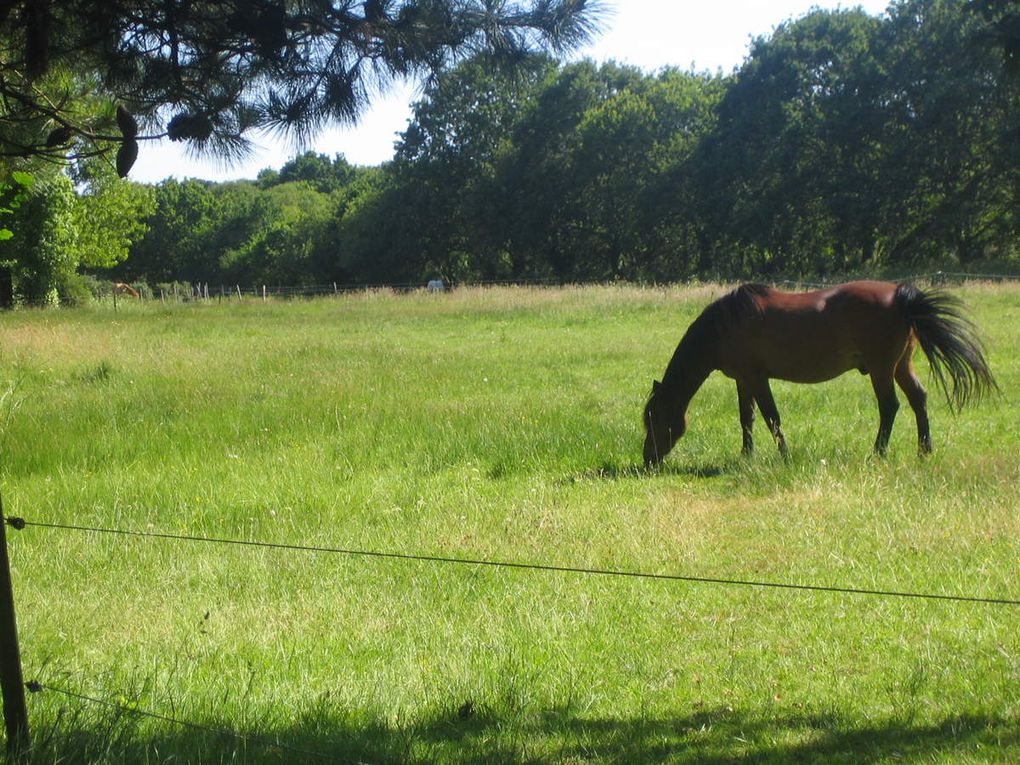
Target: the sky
(650, 34)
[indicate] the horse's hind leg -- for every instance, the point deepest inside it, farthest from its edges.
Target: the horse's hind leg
(887, 407)
(763, 395)
(911, 386)
(746, 403)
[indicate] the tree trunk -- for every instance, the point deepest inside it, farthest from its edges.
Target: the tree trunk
(6, 288)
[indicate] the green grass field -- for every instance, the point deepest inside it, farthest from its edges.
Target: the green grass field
(499, 424)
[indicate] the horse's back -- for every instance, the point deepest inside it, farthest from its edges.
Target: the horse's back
(854, 296)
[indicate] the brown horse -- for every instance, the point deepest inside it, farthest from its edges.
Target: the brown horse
(756, 333)
(120, 288)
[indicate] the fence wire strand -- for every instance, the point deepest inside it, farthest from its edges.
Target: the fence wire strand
(21, 523)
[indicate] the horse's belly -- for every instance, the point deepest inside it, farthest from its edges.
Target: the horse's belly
(810, 368)
(815, 375)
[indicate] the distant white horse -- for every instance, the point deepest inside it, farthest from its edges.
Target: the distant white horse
(436, 285)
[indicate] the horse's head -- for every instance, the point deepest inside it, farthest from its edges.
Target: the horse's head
(665, 423)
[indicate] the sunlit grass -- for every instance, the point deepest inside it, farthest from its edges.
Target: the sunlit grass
(500, 424)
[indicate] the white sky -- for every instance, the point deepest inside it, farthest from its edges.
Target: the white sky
(706, 35)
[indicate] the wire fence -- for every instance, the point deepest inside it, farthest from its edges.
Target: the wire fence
(204, 292)
(283, 749)
(21, 523)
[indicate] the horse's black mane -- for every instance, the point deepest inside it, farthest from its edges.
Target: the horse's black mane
(702, 337)
(731, 309)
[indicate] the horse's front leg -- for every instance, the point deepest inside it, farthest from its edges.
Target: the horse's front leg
(762, 393)
(745, 401)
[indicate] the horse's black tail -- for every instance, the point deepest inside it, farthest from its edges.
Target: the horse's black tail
(949, 340)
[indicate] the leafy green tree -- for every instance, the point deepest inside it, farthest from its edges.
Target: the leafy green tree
(849, 142)
(193, 225)
(1002, 29)
(90, 222)
(594, 183)
(109, 216)
(282, 251)
(673, 229)
(846, 142)
(949, 146)
(177, 230)
(536, 176)
(788, 169)
(447, 155)
(44, 251)
(378, 239)
(324, 174)
(560, 173)
(12, 195)
(629, 220)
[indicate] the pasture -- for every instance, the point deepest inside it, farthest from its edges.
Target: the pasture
(499, 424)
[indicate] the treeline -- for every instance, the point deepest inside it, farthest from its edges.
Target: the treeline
(844, 143)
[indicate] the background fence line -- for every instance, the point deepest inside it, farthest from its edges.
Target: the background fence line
(203, 291)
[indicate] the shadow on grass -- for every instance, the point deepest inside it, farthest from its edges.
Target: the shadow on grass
(615, 472)
(711, 737)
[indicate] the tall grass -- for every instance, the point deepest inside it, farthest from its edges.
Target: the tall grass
(499, 424)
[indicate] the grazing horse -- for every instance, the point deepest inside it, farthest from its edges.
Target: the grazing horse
(120, 288)
(757, 333)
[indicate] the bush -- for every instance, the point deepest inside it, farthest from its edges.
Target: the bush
(79, 289)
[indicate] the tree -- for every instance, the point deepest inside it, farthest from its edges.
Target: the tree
(537, 176)
(950, 142)
(788, 170)
(282, 250)
(108, 216)
(44, 249)
(12, 195)
(325, 174)
(178, 232)
(447, 155)
(209, 72)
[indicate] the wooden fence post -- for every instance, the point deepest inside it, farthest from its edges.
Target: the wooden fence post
(11, 680)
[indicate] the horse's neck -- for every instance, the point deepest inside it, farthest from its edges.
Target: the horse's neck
(685, 374)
